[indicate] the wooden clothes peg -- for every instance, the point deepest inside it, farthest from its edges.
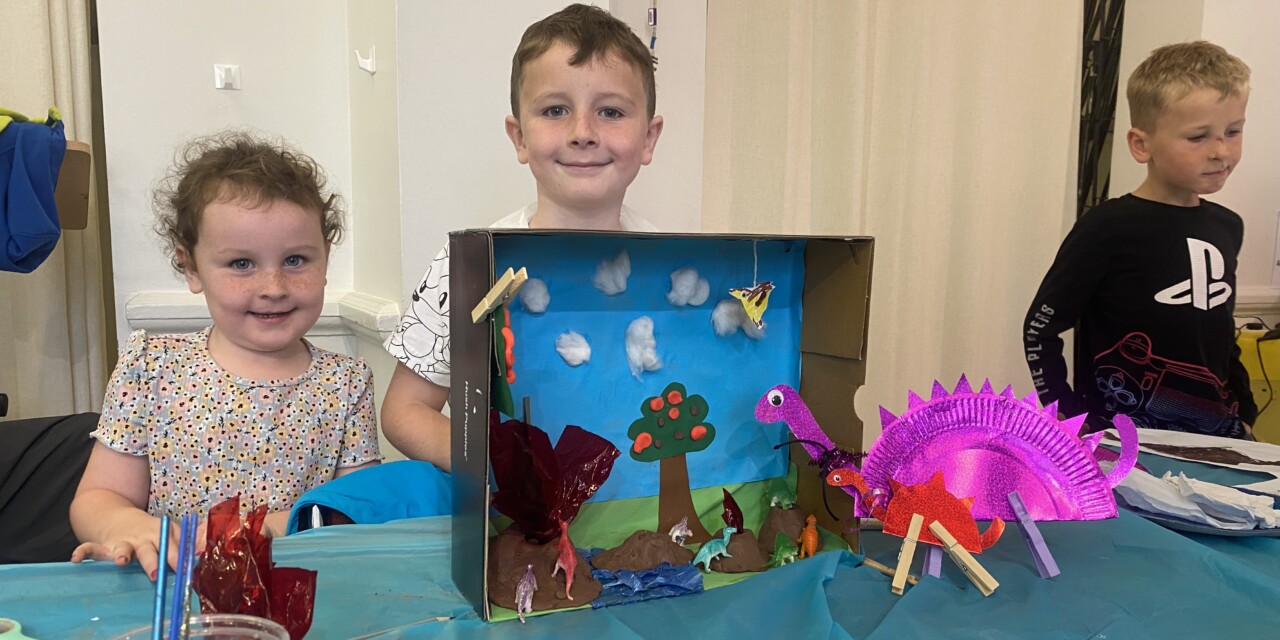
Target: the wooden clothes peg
(974, 571)
(907, 553)
(503, 290)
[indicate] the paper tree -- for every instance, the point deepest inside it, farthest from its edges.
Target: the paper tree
(673, 424)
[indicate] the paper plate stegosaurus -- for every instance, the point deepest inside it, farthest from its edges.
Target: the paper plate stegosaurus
(986, 445)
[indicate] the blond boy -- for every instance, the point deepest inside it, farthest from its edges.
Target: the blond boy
(1150, 276)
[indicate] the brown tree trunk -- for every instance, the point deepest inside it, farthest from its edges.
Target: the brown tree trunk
(675, 500)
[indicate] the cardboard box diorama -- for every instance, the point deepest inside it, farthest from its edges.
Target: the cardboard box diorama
(636, 341)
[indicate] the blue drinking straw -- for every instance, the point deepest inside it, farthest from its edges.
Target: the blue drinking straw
(179, 579)
(162, 574)
(186, 581)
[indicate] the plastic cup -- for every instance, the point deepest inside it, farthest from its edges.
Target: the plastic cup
(219, 626)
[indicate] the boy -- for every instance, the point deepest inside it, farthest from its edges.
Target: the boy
(582, 105)
(1150, 276)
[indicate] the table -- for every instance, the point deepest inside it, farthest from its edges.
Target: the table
(1121, 578)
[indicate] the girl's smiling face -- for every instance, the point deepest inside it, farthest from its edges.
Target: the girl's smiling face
(262, 270)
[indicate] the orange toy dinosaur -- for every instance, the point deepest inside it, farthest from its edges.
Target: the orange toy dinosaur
(809, 537)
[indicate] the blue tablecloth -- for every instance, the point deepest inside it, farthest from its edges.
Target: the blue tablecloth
(1121, 578)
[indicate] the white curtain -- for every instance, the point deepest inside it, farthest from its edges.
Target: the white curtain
(947, 130)
(52, 320)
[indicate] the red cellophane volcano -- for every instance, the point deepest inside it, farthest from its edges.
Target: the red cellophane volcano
(539, 486)
(236, 575)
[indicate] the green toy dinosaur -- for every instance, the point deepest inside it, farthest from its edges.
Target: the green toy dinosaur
(781, 494)
(784, 551)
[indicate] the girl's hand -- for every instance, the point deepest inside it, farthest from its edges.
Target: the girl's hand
(139, 536)
(133, 534)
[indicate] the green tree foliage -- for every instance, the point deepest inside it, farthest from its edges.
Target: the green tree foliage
(672, 424)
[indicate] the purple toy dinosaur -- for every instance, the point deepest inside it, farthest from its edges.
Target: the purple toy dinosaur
(524, 593)
(782, 403)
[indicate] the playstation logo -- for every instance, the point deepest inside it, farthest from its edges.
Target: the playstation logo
(1204, 290)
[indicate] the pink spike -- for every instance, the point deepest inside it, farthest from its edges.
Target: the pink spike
(913, 400)
(1030, 400)
(1072, 425)
(963, 386)
(1091, 441)
(1008, 393)
(939, 391)
(1051, 410)
(986, 387)
(886, 418)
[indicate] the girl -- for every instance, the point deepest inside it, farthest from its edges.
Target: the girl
(246, 406)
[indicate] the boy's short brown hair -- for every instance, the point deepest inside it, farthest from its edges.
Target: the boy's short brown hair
(238, 166)
(594, 34)
(1173, 71)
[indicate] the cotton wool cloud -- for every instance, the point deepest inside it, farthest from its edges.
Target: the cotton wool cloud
(642, 347)
(611, 275)
(534, 296)
(729, 316)
(688, 288)
(573, 348)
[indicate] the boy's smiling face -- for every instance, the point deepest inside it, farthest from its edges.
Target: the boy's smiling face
(584, 131)
(1196, 145)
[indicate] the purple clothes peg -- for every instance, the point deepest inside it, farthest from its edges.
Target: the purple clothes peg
(932, 561)
(1045, 564)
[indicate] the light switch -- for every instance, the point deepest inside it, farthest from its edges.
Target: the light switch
(226, 76)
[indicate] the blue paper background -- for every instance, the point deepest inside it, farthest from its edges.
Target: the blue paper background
(602, 396)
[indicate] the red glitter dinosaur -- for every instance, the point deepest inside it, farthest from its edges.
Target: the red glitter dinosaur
(929, 499)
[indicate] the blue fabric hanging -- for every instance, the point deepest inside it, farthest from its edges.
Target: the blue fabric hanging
(30, 158)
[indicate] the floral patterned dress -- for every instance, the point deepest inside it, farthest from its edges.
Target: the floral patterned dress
(210, 435)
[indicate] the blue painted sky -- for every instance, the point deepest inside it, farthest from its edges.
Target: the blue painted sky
(603, 397)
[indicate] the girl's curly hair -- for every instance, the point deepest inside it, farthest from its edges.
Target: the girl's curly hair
(238, 166)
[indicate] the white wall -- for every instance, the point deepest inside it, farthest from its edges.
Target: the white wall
(458, 169)
(1246, 28)
(669, 191)
(157, 85)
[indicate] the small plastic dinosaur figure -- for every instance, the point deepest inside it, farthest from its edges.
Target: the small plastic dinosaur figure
(781, 495)
(524, 593)
(714, 549)
(680, 531)
(568, 559)
(809, 537)
(784, 551)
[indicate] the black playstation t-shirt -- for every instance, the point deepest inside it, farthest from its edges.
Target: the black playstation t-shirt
(1153, 288)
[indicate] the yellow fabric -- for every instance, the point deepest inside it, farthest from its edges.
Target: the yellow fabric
(1267, 427)
(9, 115)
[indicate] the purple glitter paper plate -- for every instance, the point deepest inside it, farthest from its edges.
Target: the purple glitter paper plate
(988, 445)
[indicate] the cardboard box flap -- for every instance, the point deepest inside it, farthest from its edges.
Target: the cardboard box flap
(838, 290)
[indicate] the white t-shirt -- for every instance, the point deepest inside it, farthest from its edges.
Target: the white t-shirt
(421, 340)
